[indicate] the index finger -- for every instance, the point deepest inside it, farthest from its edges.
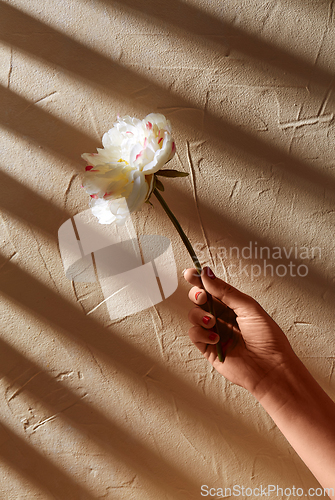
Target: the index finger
(193, 277)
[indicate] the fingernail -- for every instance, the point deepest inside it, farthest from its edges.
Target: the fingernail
(210, 273)
(206, 319)
(213, 336)
(184, 272)
(197, 295)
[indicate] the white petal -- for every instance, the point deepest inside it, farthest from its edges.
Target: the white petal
(133, 157)
(100, 209)
(159, 120)
(162, 156)
(138, 195)
(112, 138)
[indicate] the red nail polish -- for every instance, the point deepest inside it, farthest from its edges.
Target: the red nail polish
(213, 336)
(197, 295)
(210, 273)
(206, 319)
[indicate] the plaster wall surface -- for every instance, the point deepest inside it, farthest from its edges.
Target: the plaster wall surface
(128, 409)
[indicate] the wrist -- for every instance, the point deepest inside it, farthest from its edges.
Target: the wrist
(290, 389)
(281, 384)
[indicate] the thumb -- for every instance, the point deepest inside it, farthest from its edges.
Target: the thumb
(239, 302)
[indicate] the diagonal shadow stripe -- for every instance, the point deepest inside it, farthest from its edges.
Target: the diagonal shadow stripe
(93, 425)
(31, 464)
(240, 234)
(37, 211)
(47, 304)
(72, 57)
(189, 18)
(124, 356)
(32, 207)
(85, 149)
(17, 114)
(89, 421)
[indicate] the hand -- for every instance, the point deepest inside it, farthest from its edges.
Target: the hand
(260, 346)
(263, 362)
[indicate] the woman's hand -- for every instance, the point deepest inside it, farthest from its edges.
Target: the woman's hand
(253, 344)
(262, 361)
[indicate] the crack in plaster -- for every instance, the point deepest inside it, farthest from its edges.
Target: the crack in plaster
(10, 68)
(331, 12)
(53, 417)
(49, 419)
(32, 103)
(61, 376)
(205, 109)
(45, 97)
(321, 45)
(233, 190)
(75, 294)
(73, 177)
(41, 255)
(325, 101)
(331, 372)
(307, 121)
(193, 447)
(15, 393)
(97, 363)
(292, 205)
(126, 484)
(159, 339)
(7, 231)
(8, 259)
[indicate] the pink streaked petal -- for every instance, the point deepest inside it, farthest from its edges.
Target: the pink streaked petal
(108, 194)
(139, 155)
(94, 196)
(160, 140)
(149, 125)
(128, 132)
(145, 142)
(89, 167)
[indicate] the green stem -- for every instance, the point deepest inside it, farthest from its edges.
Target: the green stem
(195, 259)
(176, 224)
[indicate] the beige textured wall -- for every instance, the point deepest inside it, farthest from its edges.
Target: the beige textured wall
(94, 409)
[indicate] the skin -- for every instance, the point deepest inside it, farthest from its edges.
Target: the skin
(259, 358)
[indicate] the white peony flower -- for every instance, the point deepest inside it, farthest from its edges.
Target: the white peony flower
(119, 177)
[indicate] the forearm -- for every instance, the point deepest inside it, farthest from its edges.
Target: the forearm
(305, 415)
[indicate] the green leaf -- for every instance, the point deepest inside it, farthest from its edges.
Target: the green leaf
(159, 185)
(171, 173)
